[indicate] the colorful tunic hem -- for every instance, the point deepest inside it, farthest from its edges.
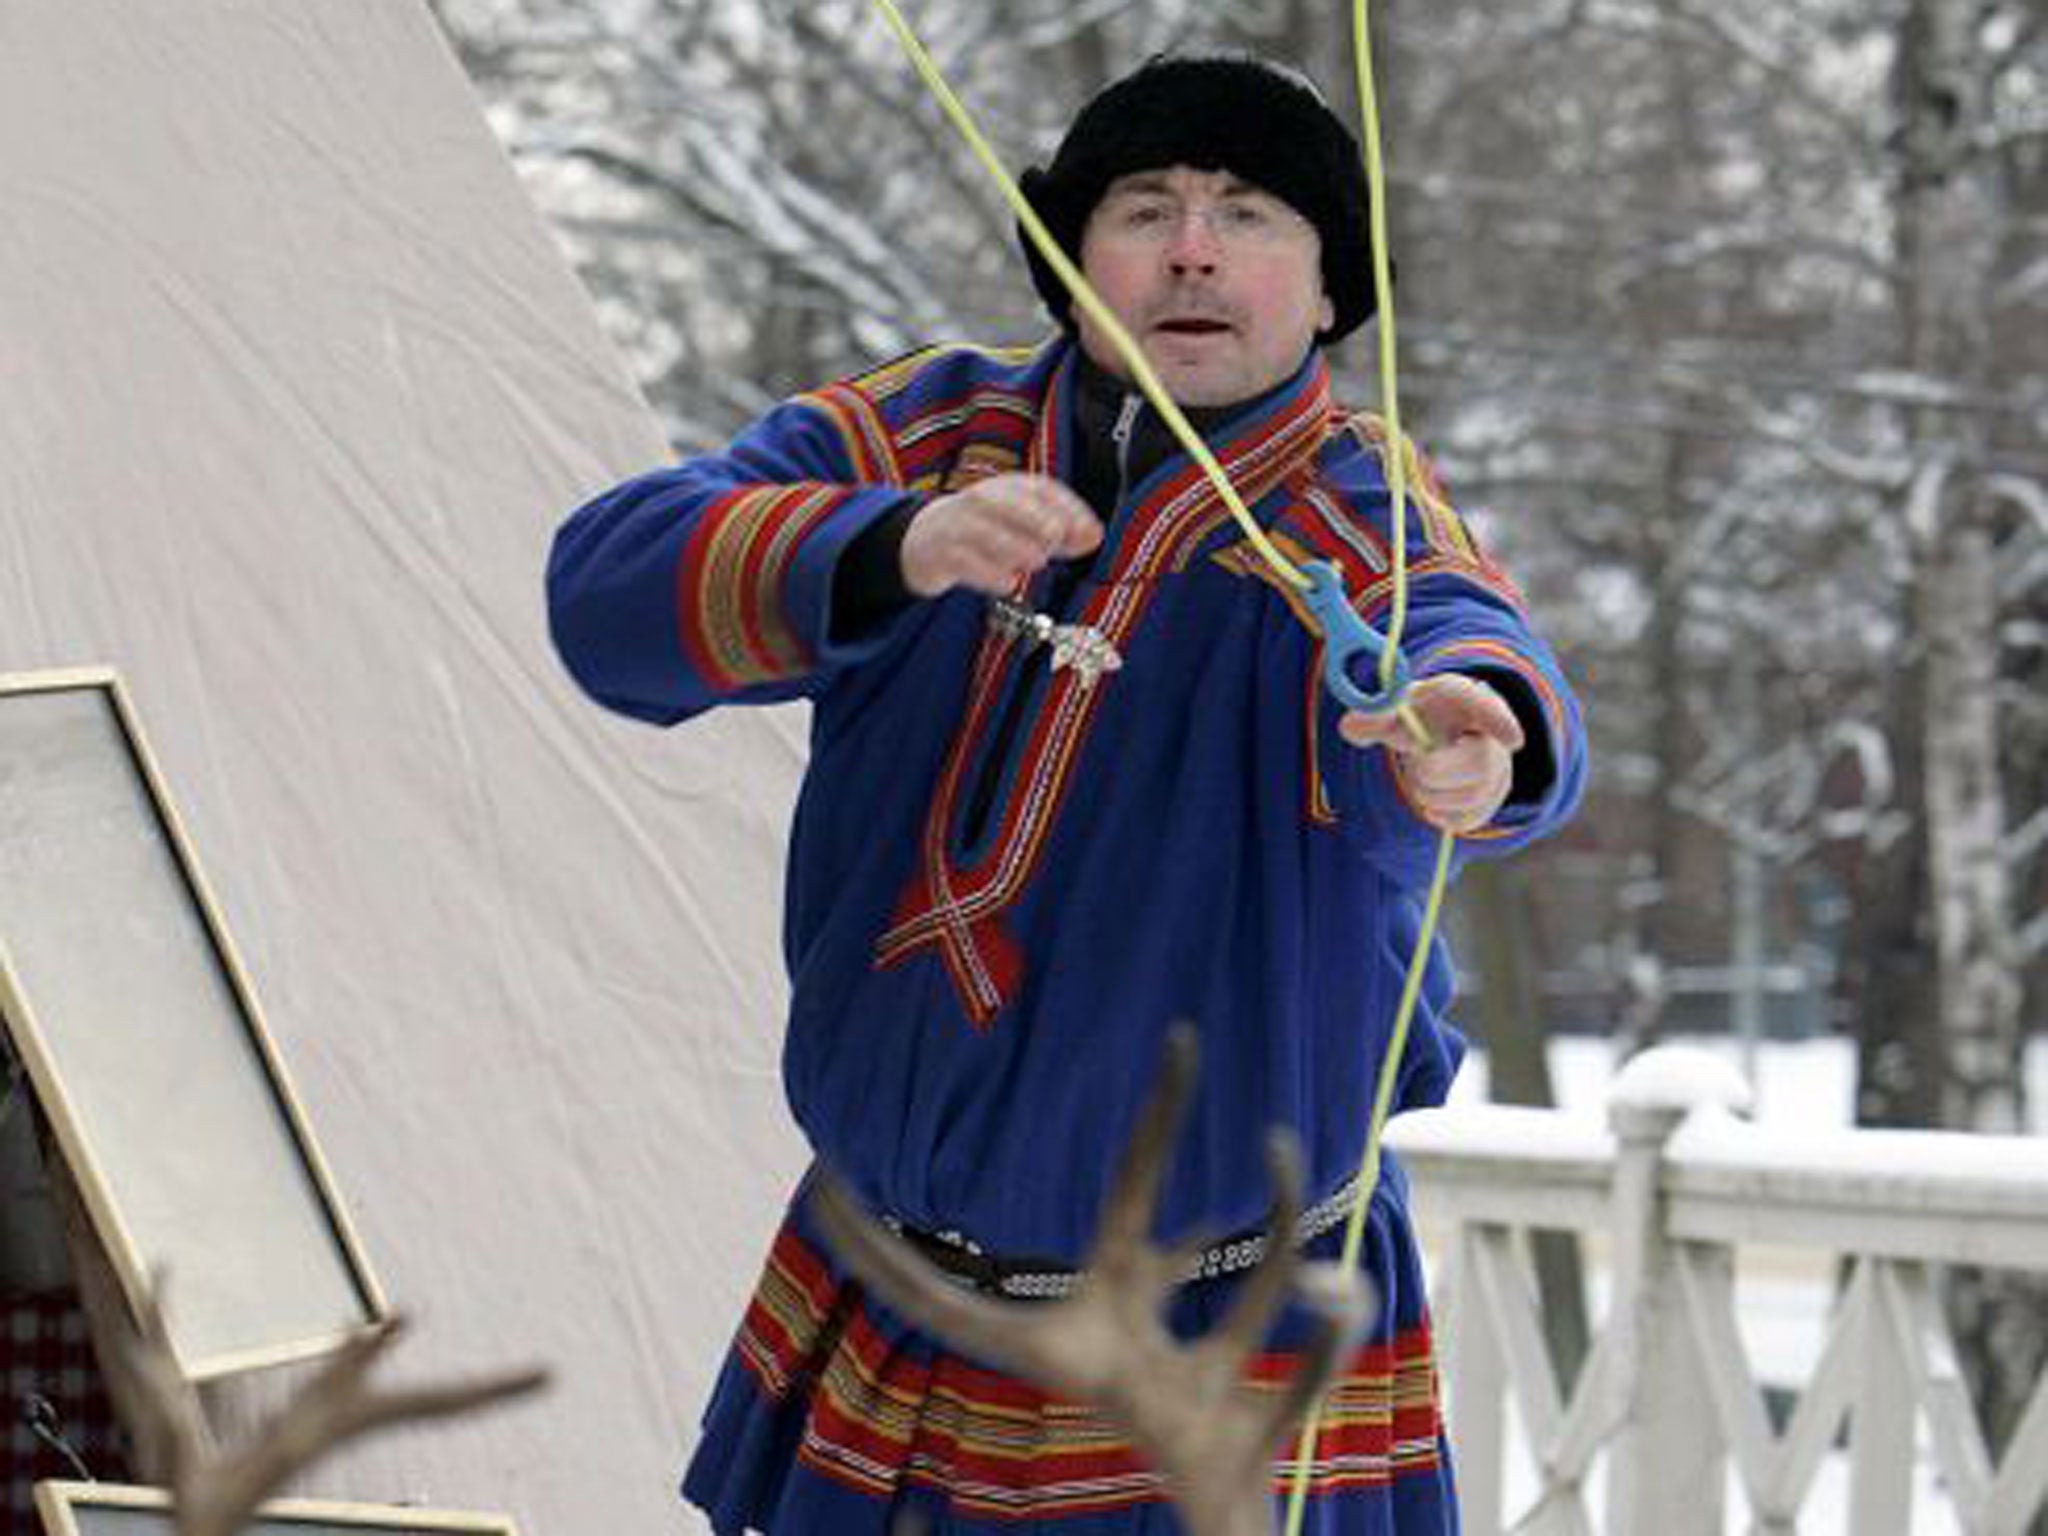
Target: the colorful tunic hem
(832, 1415)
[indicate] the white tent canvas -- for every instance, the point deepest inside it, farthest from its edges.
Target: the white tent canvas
(293, 389)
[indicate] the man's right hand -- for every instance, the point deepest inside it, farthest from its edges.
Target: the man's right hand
(994, 534)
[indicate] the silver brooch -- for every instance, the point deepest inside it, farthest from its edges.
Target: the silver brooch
(1081, 647)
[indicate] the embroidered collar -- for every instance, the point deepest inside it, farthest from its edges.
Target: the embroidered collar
(1258, 441)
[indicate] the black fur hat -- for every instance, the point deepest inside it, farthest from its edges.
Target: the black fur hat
(1215, 112)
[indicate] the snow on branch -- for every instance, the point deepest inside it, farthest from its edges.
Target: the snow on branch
(2029, 496)
(1779, 244)
(2024, 286)
(1062, 24)
(2002, 138)
(1890, 473)
(970, 194)
(2028, 839)
(1713, 24)
(2010, 35)
(2032, 938)
(1903, 386)
(1773, 804)
(775, 212)
(1924, 494)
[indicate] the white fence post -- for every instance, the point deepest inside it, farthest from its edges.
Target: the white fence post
(1881, 1428)
(1667, 1467)
(1477, 1376)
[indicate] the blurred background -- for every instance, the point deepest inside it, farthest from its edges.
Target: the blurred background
(1727, 325)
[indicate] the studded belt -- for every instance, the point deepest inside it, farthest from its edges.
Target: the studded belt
(1028, 1279)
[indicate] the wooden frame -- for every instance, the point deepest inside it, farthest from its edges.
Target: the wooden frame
(128, 1006)
(69, 1509)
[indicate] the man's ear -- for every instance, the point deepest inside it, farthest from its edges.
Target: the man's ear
(1326, 314)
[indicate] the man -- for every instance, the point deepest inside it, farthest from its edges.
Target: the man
(1073, 777)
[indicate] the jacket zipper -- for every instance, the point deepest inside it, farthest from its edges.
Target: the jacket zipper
(1120, 434)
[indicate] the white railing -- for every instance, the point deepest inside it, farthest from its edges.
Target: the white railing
(1670, 1188)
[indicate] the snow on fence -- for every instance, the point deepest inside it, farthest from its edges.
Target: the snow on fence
(1673, 1185)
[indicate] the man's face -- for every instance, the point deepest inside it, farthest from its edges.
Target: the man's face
(1220, 283)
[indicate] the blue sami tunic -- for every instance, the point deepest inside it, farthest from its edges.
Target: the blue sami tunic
(1005, 884)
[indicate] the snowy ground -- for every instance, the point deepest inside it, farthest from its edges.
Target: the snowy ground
(1783, 1294)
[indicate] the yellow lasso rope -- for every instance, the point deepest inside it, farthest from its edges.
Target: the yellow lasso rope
(1432, 909)
(1394, 456)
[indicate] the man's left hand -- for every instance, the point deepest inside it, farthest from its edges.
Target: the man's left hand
(1462, 777)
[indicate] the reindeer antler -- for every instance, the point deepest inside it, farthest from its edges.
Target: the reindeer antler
(1184, 1405)
(214, 1493)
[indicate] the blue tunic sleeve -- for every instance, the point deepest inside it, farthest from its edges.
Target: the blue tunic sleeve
(711, 582)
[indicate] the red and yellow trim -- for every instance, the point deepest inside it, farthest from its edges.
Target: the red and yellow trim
(955, 907)
(1442, 529)
(1460, 655)
(861, 431)
(882, 1416)
(730, 613)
